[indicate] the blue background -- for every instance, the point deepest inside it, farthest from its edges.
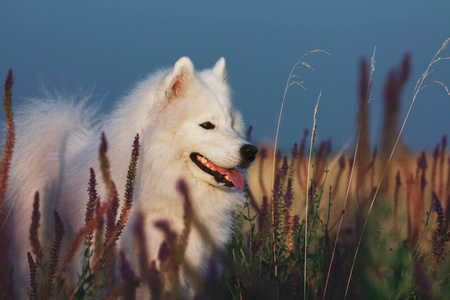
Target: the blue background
(110, 45)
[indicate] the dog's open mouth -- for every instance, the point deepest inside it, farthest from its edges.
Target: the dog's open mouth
(229, 177)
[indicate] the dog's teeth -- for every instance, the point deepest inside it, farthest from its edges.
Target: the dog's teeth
(206, 163)
(227, 177)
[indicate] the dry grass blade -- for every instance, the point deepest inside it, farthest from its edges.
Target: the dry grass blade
(443, 85)
(313, 132)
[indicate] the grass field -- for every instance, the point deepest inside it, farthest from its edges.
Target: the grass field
(364, 224)
(398, 252)
(367, 223)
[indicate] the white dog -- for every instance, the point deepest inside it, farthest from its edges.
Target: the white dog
(188, 129)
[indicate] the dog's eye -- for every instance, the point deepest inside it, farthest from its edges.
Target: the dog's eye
(207, 125)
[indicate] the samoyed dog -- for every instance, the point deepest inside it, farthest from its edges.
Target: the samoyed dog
(188, 130)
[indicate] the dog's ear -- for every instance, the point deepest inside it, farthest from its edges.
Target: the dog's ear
(179, 78)
(219, 69)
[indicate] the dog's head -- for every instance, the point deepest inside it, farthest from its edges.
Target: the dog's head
(206, 130)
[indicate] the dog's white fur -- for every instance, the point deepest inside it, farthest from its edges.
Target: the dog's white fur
(57, 142)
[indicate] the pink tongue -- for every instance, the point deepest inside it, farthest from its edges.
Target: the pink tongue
(236, 177)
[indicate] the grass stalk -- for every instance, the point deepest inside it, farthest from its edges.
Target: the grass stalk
(313, 133)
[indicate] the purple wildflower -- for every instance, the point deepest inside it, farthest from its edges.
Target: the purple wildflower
(350, 162)
(391, 91)
(341, 162)
(310, 191)
(130, 282)
(363, 80)
(263, 218)
(182, 187)
(34, 238)
(440, 236)
(406, 67)
(289, 194)
(138, 226)
(294, 151)
(398, 179)
(213, 280)
(163, 252)
(422, 162)
(296, 222)
(436, 152)
(276, 186)
(437, 207)
(284, 167)
(33, 270)
(277, 156)
(263, 152)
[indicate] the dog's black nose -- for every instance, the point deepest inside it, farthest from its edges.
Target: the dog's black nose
(248, 152)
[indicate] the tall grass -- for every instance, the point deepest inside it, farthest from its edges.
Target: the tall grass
(364, 224)
(366, 234)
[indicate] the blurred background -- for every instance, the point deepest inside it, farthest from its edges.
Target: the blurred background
(107, 46)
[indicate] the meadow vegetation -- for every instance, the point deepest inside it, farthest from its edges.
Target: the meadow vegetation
(371, 223)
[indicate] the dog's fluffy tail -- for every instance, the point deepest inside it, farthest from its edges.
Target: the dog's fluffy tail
(49, 131)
